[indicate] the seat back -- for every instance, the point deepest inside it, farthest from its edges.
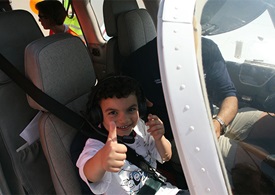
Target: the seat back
(111, 10)
(60, 65)
(135, 29)
(20, 169)
(5, 6)
(130, 29)
(4, 189)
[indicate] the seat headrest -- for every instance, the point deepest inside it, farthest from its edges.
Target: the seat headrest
(135, 29)
(111, 10)
(18, 29)
(60, 65)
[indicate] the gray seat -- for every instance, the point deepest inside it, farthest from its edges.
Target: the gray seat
(135, 29)
(60, 65)
(111, 11)
(4, 189)
(18, 29)
(130, 29)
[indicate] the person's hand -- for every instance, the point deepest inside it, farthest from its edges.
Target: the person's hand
(113, 153)
(156, 128)
(217, 128)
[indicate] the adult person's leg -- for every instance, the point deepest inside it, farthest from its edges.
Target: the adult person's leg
(255, 127)
(246, 167)
(262, 133)
(253, 131)
(240, 127)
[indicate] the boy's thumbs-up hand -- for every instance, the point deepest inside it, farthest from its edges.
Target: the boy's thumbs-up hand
(112, 136)
(113, 153)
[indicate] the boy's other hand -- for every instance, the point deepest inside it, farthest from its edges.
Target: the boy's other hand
(156, 127)
(114, 153)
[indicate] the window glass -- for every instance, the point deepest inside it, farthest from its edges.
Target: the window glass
(97, 6)
(245, 35)
(253, 42)
(26, 5)
(29, 5)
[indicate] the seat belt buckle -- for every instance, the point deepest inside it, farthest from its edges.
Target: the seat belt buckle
(153, 172)
(160, 177)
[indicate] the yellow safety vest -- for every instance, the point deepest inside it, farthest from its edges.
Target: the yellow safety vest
(72, 22)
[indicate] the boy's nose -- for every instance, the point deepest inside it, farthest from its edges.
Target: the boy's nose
(123, 118)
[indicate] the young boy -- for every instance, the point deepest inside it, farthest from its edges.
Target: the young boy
(103, 166)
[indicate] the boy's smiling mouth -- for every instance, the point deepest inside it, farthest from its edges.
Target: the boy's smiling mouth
(124, 127)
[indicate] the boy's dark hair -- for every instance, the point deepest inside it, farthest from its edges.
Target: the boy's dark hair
(116, 86)
(54, 10)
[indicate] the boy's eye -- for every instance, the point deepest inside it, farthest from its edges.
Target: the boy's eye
(112, 113)
(132, 109)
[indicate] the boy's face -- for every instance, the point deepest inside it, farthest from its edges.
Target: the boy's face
(123, 111)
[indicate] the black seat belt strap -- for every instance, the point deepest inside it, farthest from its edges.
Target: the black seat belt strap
(144, 165)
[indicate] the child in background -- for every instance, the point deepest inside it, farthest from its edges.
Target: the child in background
(52, 15)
